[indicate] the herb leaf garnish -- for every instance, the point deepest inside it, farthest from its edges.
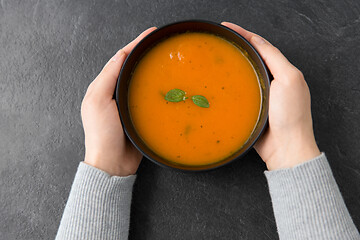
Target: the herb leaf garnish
(200, 101)
(178, 95)
(175, 95)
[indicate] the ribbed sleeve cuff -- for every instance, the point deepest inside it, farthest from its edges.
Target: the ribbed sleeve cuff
(98, 206)
(307, 202)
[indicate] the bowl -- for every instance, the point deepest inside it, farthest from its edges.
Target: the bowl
(121, 94)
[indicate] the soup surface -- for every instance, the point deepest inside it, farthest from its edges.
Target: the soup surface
(199, 64)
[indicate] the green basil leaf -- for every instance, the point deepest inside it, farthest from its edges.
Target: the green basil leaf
(201, 101)
(175, 95)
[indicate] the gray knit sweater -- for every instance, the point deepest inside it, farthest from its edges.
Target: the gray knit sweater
(306, 200)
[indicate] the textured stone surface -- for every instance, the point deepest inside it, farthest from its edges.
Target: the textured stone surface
(52, 49)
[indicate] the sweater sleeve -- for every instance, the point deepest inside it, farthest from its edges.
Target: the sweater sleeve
(307, 203)
(98, 206)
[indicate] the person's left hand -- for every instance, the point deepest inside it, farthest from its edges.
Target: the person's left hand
(107, 147)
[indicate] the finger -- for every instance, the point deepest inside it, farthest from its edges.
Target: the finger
(105, 83)
(273, 58)
(128, 48)
(243, 32)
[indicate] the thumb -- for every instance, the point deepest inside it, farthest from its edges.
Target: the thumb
(106, 81)
(273, 58)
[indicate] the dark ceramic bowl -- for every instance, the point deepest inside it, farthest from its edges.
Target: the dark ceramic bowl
(162, 33)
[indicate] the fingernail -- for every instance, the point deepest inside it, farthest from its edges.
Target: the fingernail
(258, 40)
(119, 54)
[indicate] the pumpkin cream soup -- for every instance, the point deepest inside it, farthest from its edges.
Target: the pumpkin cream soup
(220, 99)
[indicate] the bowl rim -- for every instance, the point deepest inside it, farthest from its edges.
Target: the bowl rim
(267, 78)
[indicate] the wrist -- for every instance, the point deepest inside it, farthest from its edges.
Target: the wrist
(293, 152)
(109, 165)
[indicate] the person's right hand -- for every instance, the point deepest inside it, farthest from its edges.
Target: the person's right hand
(289, 140)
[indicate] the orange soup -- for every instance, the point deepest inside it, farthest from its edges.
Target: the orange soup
(199, 64)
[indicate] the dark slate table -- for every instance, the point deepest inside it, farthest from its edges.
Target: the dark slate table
(52, 49)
